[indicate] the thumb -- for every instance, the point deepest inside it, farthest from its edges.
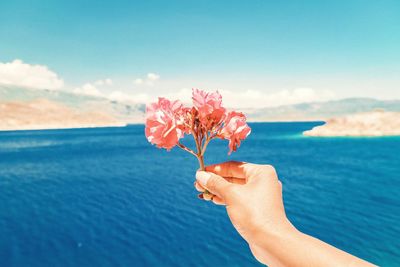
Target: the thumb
(214, 183)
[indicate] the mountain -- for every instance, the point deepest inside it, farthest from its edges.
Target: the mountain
(373, 123)
(316, 111)
(46, 114)
(22, 108)
(17, 105)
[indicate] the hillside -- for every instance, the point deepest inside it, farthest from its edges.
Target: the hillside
(45, 114)
(122, 113)
(375, 123)
(319, 111)
(22, 108)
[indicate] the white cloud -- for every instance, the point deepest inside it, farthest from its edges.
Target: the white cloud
(149, 80)
(259, 99)
(107, 81)
(18, 73)
(231, 98)
(124, 97)
(88, 89)
(153, 76)
(91, 89)
(138, 81)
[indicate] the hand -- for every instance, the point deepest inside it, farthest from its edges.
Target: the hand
(253, 197)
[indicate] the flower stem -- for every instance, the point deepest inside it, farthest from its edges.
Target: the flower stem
(199, 155)
(201, 162)
(187, 149)
(205, 146)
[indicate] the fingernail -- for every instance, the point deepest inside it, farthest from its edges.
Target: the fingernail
(207, 197)
(202, 177)
(200, 196)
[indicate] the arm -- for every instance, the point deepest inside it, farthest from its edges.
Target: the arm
(253, 197)
(293, 248)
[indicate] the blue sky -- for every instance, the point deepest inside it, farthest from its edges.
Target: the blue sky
(345, 48)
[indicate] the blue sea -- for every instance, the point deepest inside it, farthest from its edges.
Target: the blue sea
(106, 197)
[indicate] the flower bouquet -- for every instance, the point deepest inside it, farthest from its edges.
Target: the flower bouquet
(168, 121)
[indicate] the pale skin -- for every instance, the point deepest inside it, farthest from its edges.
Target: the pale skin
(252, 195)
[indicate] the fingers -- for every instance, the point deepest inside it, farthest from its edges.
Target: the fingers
(209, 197)
(214, 183)
(205, 195)
(242, 170)
(233, 180)
(228, 169)
(199, 187)
(218, 201)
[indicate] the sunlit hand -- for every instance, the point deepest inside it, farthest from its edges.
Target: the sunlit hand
(253, 197)
(252, 194)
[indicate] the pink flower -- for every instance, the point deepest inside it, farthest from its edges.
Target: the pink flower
(235, 129)
(168, 121)
(209, 106)
(164, 123)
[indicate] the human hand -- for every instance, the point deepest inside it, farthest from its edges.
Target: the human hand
(253, 197)
(252, 194)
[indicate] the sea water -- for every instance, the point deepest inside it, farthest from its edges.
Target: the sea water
(106, 197)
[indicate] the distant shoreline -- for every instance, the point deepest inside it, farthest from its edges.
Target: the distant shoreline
(43, 114)
(121, 125)
(367, 124)
(65, 128)
(304, 134)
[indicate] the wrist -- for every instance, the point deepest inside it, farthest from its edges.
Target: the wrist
(267, 241)
(266, 235)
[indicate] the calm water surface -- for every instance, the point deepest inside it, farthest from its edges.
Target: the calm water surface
(105, 197)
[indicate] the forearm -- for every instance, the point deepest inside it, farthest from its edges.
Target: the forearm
(290, 247)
